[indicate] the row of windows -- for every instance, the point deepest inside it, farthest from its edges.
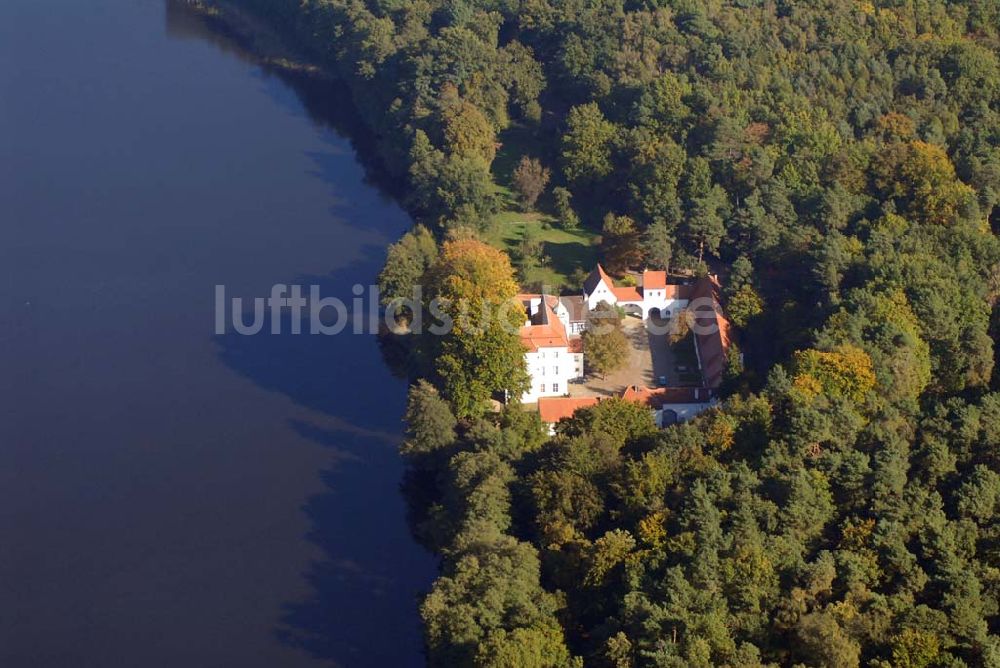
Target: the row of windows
(555, 388)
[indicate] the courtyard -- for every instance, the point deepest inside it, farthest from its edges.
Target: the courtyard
(651, 357)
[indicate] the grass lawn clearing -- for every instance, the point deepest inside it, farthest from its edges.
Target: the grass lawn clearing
(566, 250)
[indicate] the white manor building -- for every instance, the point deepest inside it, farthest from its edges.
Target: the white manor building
(553, 357)
(554, 353)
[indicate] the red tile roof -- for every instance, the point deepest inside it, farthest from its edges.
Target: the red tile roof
(707, 286)
(545, 331)
(712, 332)
(553, 409)
(626, 294)
(651, 280)
(714, 347)
(596, 277)
(656, 280)
(658, 397)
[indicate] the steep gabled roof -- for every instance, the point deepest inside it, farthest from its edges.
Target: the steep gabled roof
(707, 286)
(713, 346)
(595, 278)
(545, 331)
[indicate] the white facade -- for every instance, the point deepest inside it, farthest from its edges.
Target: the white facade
(552, 366)
(662, 298)
(657, 299)
(551, 330)
(682, 412)
(552, 357)
(551, 370)
(602, 293)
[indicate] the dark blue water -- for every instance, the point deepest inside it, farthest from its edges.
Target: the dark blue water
(169, 497)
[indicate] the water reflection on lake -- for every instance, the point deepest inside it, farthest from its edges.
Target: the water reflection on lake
(170, 497)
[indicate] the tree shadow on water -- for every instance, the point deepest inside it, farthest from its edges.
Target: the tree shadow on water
(324, 99)
(364, 583)
(360, 608)
(367, 575)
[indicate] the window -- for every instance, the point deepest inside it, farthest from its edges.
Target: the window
(555, 387)
(543, 373)
(542, 391)
(555, 371)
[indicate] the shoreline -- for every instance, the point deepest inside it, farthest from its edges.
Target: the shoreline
(259, 40)
(271, 49)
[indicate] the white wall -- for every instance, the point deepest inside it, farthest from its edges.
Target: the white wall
(684, 411)
(550, 371)
(601, 294)
(658, 301)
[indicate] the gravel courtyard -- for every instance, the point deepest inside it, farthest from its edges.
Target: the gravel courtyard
(649, 358)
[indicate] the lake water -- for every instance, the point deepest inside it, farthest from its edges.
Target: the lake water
(169, 497)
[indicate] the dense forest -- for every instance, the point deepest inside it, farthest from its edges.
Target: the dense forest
(839, 162)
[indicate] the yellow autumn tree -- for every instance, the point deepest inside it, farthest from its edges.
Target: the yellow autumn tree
(481, 356)
(846, 371)
(470, 270)
(921, 178)
(884, 324)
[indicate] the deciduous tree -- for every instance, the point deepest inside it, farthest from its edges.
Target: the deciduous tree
(406, 263)
(587, 145)
(530, 179)
(482, 354)
(621, 243)
(606, 348)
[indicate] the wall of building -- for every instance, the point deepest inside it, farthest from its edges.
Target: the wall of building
(600, 294)
(551, 370)
(684, 412)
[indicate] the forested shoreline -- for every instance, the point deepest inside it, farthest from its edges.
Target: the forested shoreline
(839, 162)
